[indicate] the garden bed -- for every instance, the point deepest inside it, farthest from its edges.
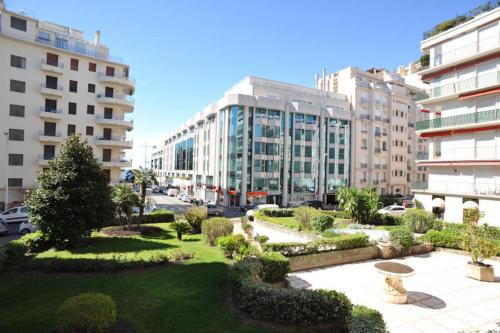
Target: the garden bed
(331, 258)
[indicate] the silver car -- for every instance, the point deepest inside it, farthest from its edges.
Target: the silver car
(214, 210)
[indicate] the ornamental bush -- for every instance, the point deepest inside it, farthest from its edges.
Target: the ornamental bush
(387, 219)
(366, 320)
(195, 216)
(342, 242)
(231, 245)
(402, 237)
(89, 313)
(322, 222)
(158, 216)
(446, 238)
(214, 228)
(285, 305)
(275, 266)
(285, 212)
(418, 220)
(303, 216)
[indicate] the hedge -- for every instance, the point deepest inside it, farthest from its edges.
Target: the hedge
(322, 222)
(402, 236)
(285, 305)
(285, 212)
(387, 219)
(159, 216)
(342, 242)
(366, 320)
(275, 266)
(338, 214)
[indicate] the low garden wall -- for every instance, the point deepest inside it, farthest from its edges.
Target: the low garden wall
(330, 258)
(269, 229)
(389, 251)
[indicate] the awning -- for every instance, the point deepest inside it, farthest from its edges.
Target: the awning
(438, 202)
(470, 205)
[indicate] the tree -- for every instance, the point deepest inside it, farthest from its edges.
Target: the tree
(72, 198)
(143, 177)
(124, 198)
(361, 204)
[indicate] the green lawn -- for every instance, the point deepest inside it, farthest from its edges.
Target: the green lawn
(189, 297)
(291, 222)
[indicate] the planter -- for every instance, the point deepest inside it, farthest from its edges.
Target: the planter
(480, 272)
(389, 251)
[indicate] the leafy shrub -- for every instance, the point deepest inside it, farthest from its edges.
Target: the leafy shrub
(476, 238)
(342, 242)
(158, 216)
(247, 227)
(180, 227)
(195, 216)
(275, 266)
(492, 231)
(12, 253)
(446, 238)
(437, 225)
(303, 216)
(366, 320)
(285, 305)
(34, 242)
(322, 222)
(330, 233)
(361, 204)
(244, 220)
(214, 228)
(418, 204)
(338, 214)
(387, 219)
(231, 245)
(284, 212)
(418, 220)
(261, 239)
(425, 60)
(402, 237)
(89, 313)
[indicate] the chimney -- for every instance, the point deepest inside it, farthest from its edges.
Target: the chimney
(97, 39)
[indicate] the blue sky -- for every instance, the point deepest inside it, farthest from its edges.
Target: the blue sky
(185, 54)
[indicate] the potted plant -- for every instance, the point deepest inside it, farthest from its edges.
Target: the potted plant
(476, 241)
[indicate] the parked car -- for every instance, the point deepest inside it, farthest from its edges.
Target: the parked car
(181, 196)
(198, 202)
(215, 210)
(172, 192)
(156, 189)
(244, 208)
(318, 204)
(26, 227)
(250, 212)
(186, 198)
(15, 214)
(393, 210)
(4, 228)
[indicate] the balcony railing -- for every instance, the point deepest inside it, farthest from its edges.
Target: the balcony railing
(50, 110)
(466, 50)
(53, 87)
(378, 118)
(53, 134)
(376, 166)
(387, 120)
(364, 147)
(465, 85)
(117, 75)
(420, 185)
(460, 120)
(59, 65)
(127, 98)
(375, 182)
(46, 157)
(113, 138)
(121, 118)
(485, 187)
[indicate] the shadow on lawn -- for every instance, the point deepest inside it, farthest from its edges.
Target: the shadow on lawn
(101, 245)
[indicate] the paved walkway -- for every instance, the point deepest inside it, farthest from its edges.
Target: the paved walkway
(441, 297)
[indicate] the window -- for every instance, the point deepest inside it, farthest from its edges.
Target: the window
(16, 134)
(341, 138)
(91, 88)
(49, 152)
(15, 182)
(71, 129)
(43, 37)
(110, 71)
(15, 159)
(51, 82)
(307, 167)
(71, 108)
(331, 168)
(107, 174)
(332, 137)
(109, 92)
(108, 113)
(16, 110)
(52, 59)
(73, 86)
(17, 86)
(308, 151)
(341, 168)
(90, 109)
(89, 130)
(297, 150)
(17, 23)
(309, 135)
(19, 62)
(341, 153)
(299, 134)
(49, 129)
(106, 155)
(297, 166)
(74, 64)
(50, 105)
(92, 67)
(331, 153)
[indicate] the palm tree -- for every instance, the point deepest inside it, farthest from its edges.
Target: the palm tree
(143, 177)
(347, 199)
(124, 198)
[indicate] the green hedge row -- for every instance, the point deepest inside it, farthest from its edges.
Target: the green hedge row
(284, 212)
(159, 216)
(448, 238)
(338, 214)
(342, 242)
(285, 305)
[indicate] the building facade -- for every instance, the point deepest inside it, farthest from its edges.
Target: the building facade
(262, 142)
(55, 83)
(385, 146)
(463, 101)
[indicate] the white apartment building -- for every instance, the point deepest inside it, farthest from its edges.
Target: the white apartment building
(55, 83)
(384, 144)
(263, 141)
(463, 101)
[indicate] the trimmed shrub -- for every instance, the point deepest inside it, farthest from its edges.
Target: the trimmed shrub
(366, 320)
(337, 214)
(437, 225)
(303, 216)
(387, 219)
(285, 305)
(402, 237)
(322, 222)
(34, 242)
(418, 220)
(231, 244)
(159, 216)
(493, 231)
(342, 242)
(195, 216)
(214, 228)
(88, 312)
(285, 212)
(261, 239)
(275, 266)
(446, 238)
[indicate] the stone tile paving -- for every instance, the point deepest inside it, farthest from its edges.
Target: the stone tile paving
(440, 297)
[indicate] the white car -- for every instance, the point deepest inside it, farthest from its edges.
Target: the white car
(172, 192)
(26, 227)
(250, 212)
(186, 198)
(15, 215)
(392, 210)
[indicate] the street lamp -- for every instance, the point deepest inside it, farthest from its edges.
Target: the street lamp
(7, 170)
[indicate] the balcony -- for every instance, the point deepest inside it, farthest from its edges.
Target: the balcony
(452, 90)
(376, 166)
(378, 134)
(53, 114)
(117, 78)
(420, 185)
(489, 188)
(52, 68)
(375, 182)
(116, 163)
(43, 160)
(377, 118)
(364, 147)
(56, 91)
(364, 165)
(116, 121)
(422, 155)
(113, 141)
(468, 120)
(411, 125)
(365, 116)
(387, 120)
(54, 137)
(116, 99)
(377, 150)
